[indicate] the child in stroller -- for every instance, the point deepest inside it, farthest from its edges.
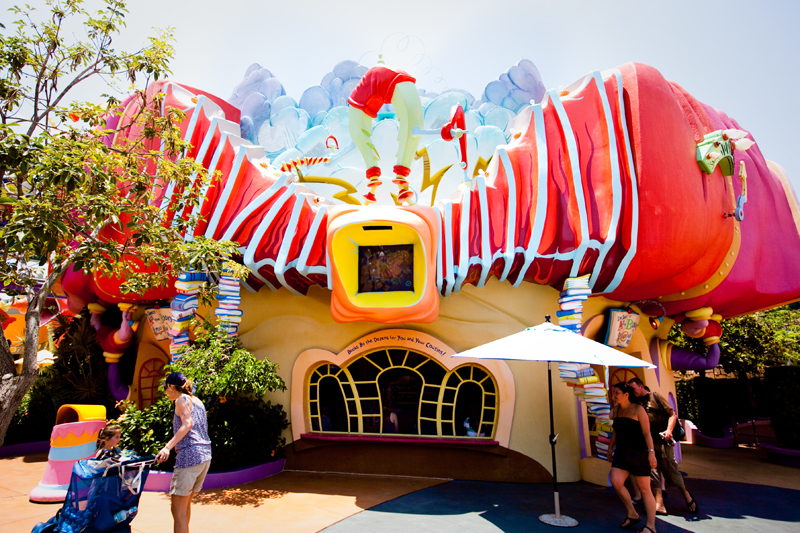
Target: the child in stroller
(103, 492)
(107, 440)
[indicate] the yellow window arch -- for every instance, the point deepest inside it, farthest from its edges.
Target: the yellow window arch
(402, 391)
(421, 344)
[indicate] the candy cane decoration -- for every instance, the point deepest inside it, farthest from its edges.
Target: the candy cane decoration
(295, 164)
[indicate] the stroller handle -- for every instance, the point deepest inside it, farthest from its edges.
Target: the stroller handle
(146, 459)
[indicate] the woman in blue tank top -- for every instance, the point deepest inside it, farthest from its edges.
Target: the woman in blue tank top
(191, 443)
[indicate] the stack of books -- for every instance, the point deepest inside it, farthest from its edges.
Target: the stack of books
(588, 388)
(576, 291)
(602, 449)
(228, 301)
(183, 308)
(600, 410)
(576, 371)
(593, 393)
(603, 438)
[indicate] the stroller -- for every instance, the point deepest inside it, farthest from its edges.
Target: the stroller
(102, 496)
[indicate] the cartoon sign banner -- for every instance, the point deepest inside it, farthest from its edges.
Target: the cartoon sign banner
(621, 326)
(160, 322)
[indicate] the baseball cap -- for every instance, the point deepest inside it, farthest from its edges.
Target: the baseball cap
(176, 378)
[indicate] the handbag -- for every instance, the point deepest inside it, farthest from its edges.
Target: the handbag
(678, 432)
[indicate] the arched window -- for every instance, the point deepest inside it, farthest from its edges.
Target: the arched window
(400, 391)
(150, 375)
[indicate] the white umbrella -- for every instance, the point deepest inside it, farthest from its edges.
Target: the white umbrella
(551, 343)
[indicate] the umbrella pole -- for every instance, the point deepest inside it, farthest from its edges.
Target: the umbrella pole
(557, 519)
(553, 438)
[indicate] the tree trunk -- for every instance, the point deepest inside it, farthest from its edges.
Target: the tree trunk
(13, 388)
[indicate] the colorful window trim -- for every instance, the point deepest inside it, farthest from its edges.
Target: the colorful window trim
(150, 375)
(435, 399)
(397, 338)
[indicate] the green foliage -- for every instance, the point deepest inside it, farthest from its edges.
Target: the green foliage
(79, 360)
(34, 418)
(688, 406)
(54, 169)
(783, 386)
(245, 432)
(714, 404)
(752, 342)
(785, 323)
(219, 365)
(749, 344)
(243, 428)
(63, 191)
(146, 431)
(78, 375)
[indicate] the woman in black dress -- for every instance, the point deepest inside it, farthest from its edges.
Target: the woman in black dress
(633, 455)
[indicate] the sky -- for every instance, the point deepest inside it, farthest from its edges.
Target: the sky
(737, 56)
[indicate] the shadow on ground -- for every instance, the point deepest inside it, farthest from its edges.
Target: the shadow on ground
(461, 506)
(237, 496)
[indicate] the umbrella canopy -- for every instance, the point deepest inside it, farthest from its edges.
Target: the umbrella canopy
(551, 343)
(548, 342)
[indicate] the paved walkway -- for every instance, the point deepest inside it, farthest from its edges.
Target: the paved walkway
(737, 491)
(462, 506)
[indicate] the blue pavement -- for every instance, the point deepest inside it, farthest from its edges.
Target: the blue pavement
(465, 506)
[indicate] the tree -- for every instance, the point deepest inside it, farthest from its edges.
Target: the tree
(63, 188)
(749, 343)
(243, 428)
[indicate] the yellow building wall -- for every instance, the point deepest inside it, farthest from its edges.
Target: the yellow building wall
(279, 326)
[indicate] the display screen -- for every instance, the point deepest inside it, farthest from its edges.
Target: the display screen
(386, 268)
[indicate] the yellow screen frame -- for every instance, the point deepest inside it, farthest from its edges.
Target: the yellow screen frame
(346, 241)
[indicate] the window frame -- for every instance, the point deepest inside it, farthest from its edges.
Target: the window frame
(313, 395)
(308, 360)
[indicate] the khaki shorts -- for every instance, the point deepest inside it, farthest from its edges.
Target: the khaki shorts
(667, 466)
(185, 481)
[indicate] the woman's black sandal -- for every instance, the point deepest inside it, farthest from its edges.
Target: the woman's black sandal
(648, 529)
(629, 522)
(691, 504)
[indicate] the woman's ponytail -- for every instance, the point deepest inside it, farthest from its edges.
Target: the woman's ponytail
(187, 387)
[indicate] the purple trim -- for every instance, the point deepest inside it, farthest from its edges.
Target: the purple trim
(712, 442)
(119, 390)
(781, 451)
(160, 481)
(405, 440)
(674, 404)
(25, 448)
(655, 358)
(685, 360)
(783, 456)
(581, 437)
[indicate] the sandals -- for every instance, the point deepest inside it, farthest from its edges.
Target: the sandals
(636, 501)
(629, 522)
(662, 512)
(690, 504)
(648, 529)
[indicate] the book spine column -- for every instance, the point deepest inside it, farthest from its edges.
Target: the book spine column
(588, 388)
(576, 291)
(183, 307)
(229, 316)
